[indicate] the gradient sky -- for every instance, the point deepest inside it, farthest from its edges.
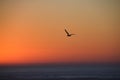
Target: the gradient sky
(32, 31)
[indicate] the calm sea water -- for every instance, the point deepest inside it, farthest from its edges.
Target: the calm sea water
(58, 72)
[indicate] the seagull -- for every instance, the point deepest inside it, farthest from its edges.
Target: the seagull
(68, 34)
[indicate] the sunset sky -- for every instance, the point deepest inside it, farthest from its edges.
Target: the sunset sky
(32, 31)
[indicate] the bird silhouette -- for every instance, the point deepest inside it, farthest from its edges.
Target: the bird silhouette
(68, 34)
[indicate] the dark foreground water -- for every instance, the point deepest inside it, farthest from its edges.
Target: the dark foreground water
(61, 72)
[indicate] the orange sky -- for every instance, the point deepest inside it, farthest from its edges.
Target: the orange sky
(33, 31)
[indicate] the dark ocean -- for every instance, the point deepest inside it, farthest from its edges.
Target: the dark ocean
(60, 72)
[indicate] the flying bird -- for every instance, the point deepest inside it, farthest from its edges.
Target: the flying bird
(68, 34)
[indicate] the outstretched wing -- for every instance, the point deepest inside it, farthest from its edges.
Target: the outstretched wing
(66, 32)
